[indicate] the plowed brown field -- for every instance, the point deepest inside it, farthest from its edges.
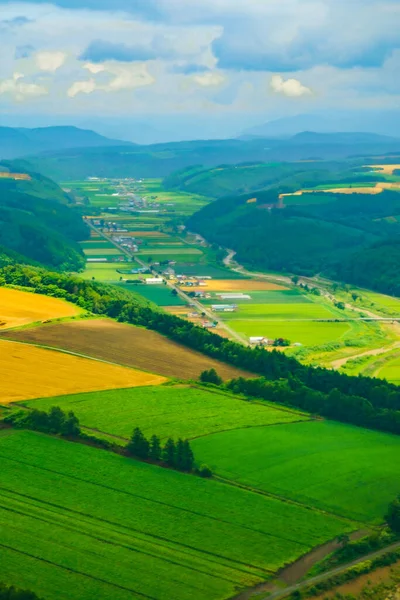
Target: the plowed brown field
(126, 345)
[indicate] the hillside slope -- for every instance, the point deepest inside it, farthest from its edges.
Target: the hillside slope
(338, 237)
(38, 225)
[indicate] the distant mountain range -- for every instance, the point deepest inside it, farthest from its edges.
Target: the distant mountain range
(160, 160)
(15, 142)
(386, 123)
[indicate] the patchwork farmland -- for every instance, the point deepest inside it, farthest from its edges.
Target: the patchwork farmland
(28, 371)
(126, 345)
(142, 225)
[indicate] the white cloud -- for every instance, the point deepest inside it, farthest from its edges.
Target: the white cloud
(289, 87)
(20, 89)
(50, 61)
(82, 87)
(121, 78)
(208, 79)
(92, 68)
(128, 77)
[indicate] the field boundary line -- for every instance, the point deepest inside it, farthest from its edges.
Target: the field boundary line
(242, 566)
(138, 535)
(152, 500)
(127, 546)
(252, 427)
(259, 402)
(261, 492)
(81, 573)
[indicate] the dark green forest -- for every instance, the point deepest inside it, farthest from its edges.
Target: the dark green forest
(352, 238)
(38, 225)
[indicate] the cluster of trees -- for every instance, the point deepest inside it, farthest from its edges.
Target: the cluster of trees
(177, 455)
(12, 593)
(360, 400)
(211, 376)
(393, 515)
(56, 421)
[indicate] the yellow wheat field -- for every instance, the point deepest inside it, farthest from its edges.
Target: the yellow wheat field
(236, 285)
(385, 169)
(28, 372)
(20, 308)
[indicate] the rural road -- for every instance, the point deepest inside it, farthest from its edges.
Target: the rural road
(280, 594)
(202, 309)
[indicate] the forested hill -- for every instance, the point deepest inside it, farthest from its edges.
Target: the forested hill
(246, 177)
(352, 237)
(37, 223)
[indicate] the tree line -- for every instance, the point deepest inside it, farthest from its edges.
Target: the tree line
(360, 400)
(176, 455)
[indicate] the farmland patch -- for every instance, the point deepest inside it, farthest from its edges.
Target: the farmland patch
(308, 333)
(31, 372)
(300, 311)
(159, 294)
(167, 411)
(127, 345)
(237, 285)
(20, 308)
(347, 470)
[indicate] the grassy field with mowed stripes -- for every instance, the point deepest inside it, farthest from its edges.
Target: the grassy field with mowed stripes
(79, 523)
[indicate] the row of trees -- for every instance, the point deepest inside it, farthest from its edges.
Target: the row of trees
(359, 400)
(56, 421)
(347, 408)
(177, 455)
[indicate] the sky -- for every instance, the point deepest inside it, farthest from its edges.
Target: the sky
(202, 66)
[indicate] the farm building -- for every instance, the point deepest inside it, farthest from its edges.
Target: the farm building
(96, 260)
(154, 280)
(259, 340)
(233, 296)
(223, 307)
(208, 324)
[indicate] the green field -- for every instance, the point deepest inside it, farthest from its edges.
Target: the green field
(167, 411)
(281, 311)
(79, 523)
(159, 294)
(105, 271)
(391, 371)
(346, 470)
(309, 333)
